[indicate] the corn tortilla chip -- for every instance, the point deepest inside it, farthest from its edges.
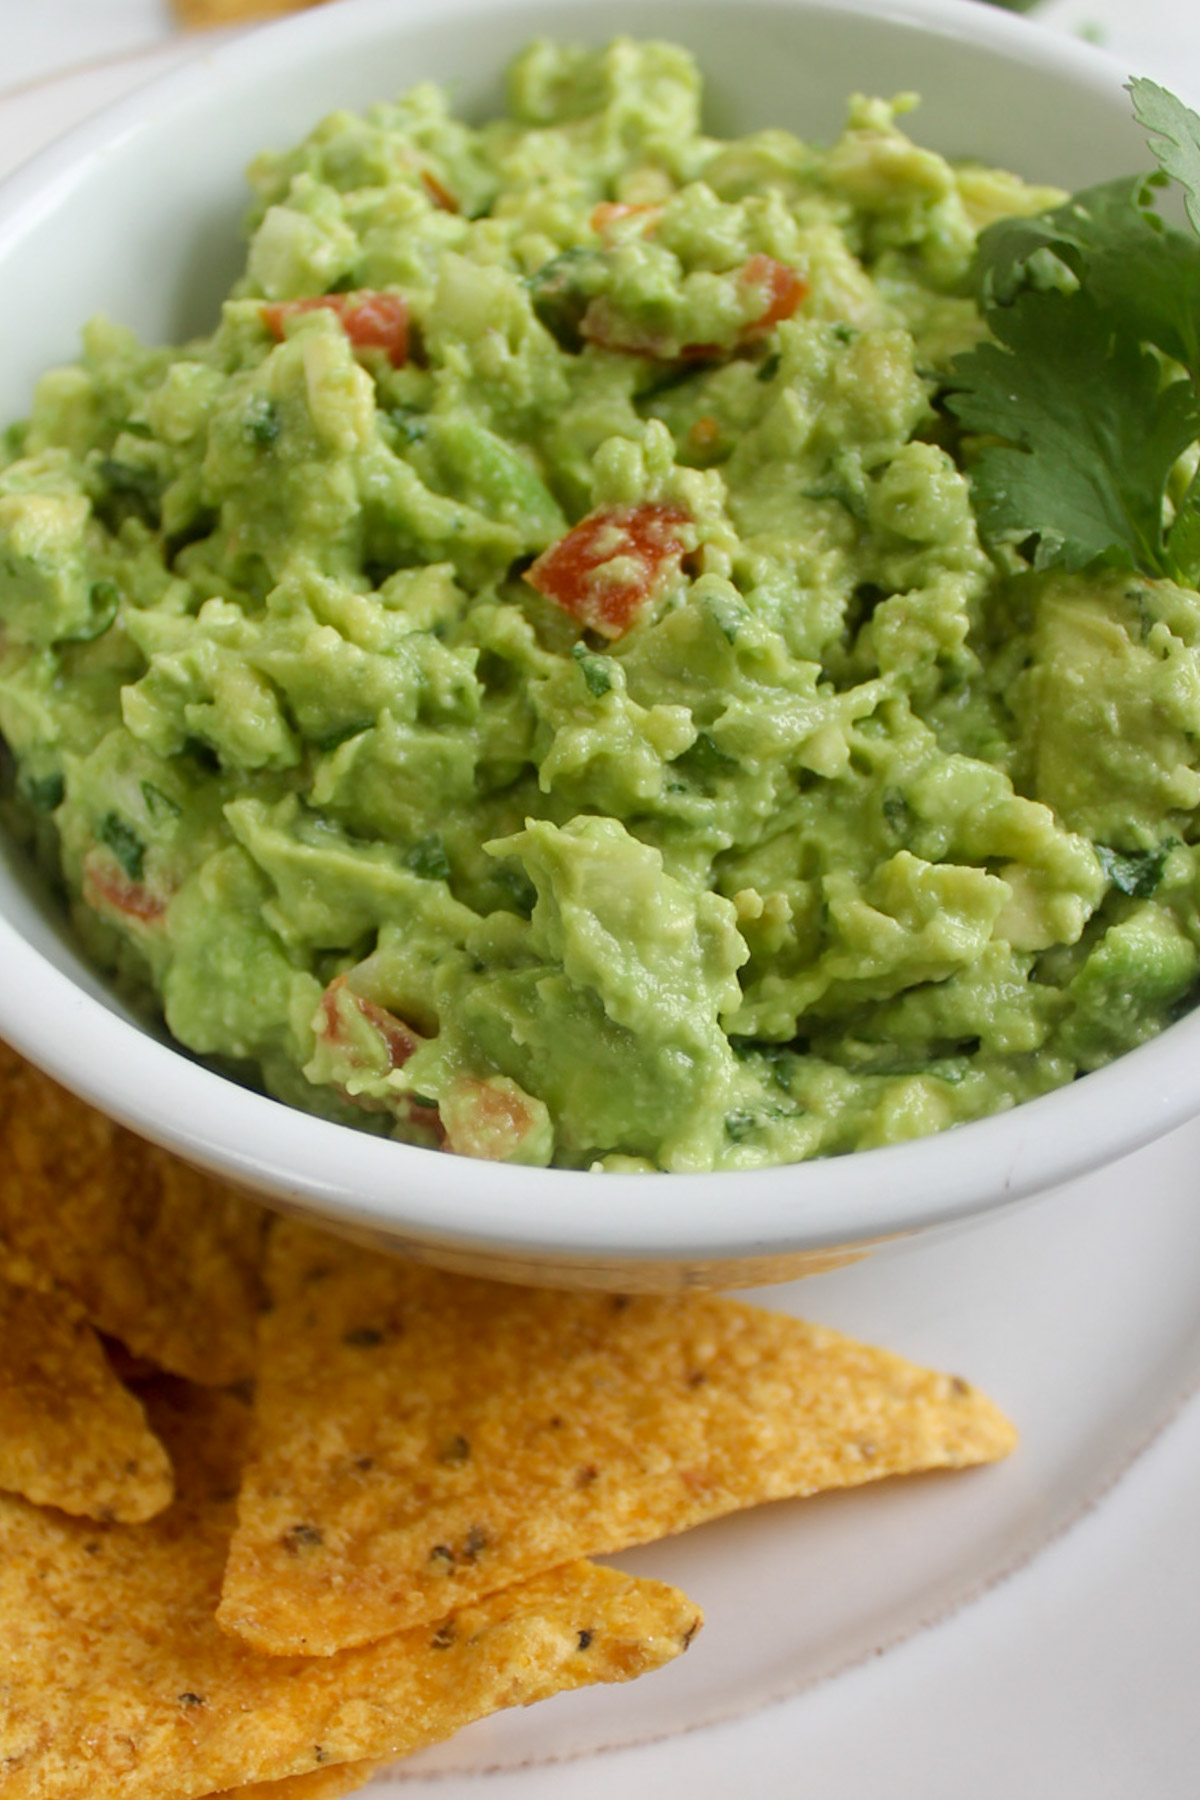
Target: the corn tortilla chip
(424, 1438)
(155, 1253)
(70, 1435)
(118, 1684)
(203, 13)
(322, 1784)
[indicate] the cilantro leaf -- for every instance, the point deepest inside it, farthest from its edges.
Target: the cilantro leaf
(1090, 433)
(1183, 540)
(124, 843)
(1109, 241)
(428, 858)
(594, 669)
(1136, 872)
(1174, 136)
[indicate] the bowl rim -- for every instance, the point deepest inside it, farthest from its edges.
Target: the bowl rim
(424, 1198)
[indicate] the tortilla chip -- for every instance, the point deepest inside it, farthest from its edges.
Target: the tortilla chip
(155, 1253)
(322, 1784)
(424, 1438)
(119, 1685)
(70, 1434)
(203, 13)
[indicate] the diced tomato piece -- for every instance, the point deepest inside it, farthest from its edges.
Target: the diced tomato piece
(424, 1114)
(400, 1039)
(489, 1120)
(609, 565)
(783, 289)
(609, 211)
(371, 320)
(108, 890)
(438, 192)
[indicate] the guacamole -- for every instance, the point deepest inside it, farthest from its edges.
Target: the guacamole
(530, 683)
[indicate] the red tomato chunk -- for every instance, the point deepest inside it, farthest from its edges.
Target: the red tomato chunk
(487, 1121)
(609, 565)
(106, 889)
(783, 290)
(608, 212)
(371, 320)
(400, 1040)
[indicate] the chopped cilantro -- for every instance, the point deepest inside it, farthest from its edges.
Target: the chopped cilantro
(262, 421)
(842, 480)
(1136, 872)
(897, 811)
(124, 843)
(409, 424)
(341, 734)
(136, 488)
(44, 792)
(428, 858)
(707, 756)
(158, 804)
(739, 1125)
(777, 1057)
(594, 669)
(727, 614)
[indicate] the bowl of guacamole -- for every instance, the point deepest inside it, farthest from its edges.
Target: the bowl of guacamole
(564, 653)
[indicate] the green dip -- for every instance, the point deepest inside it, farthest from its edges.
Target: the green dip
(763, 816)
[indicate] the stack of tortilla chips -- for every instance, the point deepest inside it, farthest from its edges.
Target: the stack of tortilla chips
(277, 1510)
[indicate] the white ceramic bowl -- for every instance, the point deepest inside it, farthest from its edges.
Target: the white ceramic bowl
(135, 214)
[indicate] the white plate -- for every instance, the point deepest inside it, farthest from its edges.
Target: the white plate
(865, 1645)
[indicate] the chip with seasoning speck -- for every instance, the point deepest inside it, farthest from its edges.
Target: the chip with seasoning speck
(590, 1423)
(108, 1640)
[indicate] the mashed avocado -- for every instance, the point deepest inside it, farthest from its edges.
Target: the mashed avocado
(530, 683)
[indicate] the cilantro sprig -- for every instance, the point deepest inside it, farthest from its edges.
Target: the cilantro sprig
(1090, 392)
